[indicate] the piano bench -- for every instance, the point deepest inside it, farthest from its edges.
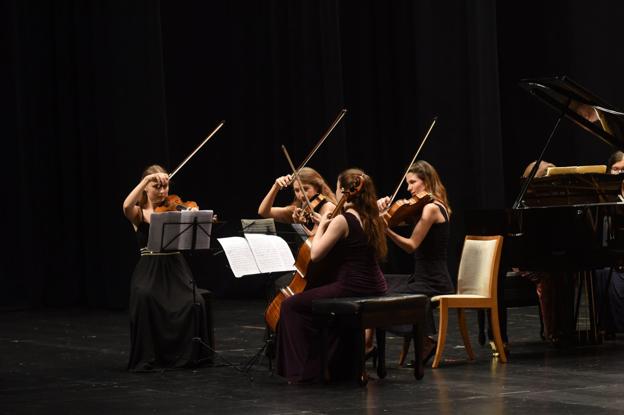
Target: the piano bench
(355, 314)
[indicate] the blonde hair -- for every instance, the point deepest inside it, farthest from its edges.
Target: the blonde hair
(154, 168)
(428, 174)
(365, 204)
(311, 177)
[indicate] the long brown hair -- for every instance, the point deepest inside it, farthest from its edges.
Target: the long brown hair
(154, 168)
(311, 177)
(433, 184)
(365, 204)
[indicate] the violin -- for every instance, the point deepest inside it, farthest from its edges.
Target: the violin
(309, 274)
(315, 204)
(174, 203)
(407, 210)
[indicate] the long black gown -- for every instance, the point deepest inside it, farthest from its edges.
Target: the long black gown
(357, 273)
(431, 276)
(162, 319)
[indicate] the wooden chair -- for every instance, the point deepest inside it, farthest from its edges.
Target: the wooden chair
(477, 281)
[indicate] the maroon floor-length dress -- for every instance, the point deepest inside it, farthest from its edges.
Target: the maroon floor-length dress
(357, 273)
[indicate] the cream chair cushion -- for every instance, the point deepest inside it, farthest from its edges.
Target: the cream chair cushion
(475, 268)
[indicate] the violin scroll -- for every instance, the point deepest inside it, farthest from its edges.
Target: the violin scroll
(349, 192)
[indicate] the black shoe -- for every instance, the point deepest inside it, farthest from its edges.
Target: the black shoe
(372, 354)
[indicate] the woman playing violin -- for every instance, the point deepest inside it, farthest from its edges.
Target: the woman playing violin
(352, 243)
(427, 242)
(313, 185)
(161, 295)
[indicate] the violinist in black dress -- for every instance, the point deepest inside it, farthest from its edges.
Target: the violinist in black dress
(162, 319)
(351, 243)
(427, 244)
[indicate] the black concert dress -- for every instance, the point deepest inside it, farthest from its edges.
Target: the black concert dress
(162, 315)
(431, 276)
(357, 273)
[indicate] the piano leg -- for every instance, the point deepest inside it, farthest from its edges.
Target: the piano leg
(585, 311)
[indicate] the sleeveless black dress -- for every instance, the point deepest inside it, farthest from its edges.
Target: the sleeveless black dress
(431, 276)
(162, 318)
(356, 273)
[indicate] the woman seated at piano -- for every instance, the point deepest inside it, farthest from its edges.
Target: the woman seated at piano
(550, 288)
(427, 244)
(350, 243)
(615, 164)
(310, 186)
(541, 170)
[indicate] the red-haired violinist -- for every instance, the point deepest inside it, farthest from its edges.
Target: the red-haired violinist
(352, 242)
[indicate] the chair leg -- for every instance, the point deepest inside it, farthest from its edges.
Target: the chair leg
(380, 334)
(541, 317)
(441, 333)
(497, 335)
(418, 334)
(463, 329)
(481, 323)
(404, 350)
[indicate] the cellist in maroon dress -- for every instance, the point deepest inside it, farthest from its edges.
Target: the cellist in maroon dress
(352, 244)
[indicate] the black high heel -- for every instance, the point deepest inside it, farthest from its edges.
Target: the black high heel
(372, 354)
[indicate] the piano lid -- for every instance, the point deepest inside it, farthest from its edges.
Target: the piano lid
(580, 106)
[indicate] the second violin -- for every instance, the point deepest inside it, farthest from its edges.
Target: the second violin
(407, 210)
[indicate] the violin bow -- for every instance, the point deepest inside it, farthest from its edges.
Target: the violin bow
(296, 175)
(413, 160)
(327, 133)
(197, 149)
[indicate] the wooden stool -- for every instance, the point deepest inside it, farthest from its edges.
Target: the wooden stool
(359, 313)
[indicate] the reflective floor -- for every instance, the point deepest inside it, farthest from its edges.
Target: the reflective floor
(73, 361)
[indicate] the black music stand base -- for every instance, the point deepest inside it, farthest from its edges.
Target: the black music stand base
(267, 349)
(269, 346)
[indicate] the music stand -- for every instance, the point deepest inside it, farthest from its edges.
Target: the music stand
(265, 226)
(186, 231)
(262, 226)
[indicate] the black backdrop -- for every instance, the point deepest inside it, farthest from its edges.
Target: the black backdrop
(92, 92)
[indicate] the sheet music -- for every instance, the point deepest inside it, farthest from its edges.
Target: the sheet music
(172, 231)
(266, 226)
(239, 256)
(204, 227)
(271, 252)
(257, 254)
(159, 232)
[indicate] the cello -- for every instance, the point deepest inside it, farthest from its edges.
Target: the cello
(298, 283)
(305, 270)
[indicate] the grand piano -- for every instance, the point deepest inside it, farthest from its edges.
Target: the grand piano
(567, 225)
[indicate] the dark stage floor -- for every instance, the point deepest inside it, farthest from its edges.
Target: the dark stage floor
(72, 362)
